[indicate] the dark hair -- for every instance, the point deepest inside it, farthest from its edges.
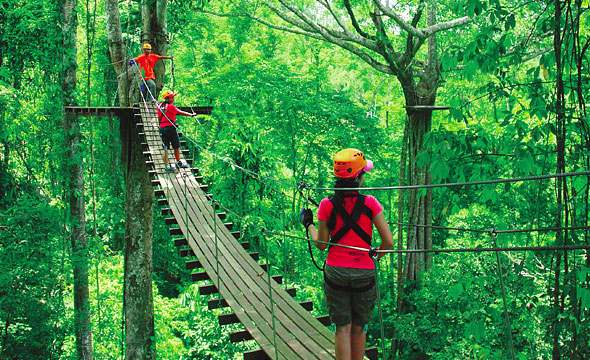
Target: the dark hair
(345, 183)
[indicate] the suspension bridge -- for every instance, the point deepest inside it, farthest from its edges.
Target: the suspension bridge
(283, 327)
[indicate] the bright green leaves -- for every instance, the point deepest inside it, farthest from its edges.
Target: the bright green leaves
(475, 7)
(584, 298)
(456, 291)
(476, 329)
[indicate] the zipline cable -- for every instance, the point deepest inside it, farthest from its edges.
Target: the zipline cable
(452, 250)
(405, 187)
(509, 231)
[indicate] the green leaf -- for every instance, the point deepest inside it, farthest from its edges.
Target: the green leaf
(476, 329)
(456, 291)
(584, 297)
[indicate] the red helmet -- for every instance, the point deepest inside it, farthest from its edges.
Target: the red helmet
(348, 163)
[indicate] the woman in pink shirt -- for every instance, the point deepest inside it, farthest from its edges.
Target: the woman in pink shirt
(347, 218)
(167, 112)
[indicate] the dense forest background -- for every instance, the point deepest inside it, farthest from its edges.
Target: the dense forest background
(515, 78)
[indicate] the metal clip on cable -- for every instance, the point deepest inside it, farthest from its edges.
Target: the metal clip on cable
(493, 233)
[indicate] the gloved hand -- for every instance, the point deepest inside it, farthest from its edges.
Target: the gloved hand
(131, 62)
(306, 218)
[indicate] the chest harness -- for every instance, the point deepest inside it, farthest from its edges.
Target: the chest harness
(163, 108)
(350, 224)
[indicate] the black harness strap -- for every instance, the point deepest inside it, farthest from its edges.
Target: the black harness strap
(350, 220)
(162, 110)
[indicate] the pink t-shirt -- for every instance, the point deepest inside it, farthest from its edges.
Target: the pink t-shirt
(349, 258)
(170, 115)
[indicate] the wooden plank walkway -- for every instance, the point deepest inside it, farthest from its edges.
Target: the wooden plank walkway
(293, 333)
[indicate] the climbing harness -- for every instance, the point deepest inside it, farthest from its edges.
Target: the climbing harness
(350, 220)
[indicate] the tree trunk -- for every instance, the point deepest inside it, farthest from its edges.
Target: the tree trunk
(419, 201)
(75, 185)
(139, 206)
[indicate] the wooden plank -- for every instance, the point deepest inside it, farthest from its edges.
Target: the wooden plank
(239, 336)
(180, 242)
(324, 320)
(260, 323)
(286, 319)
(193, 264)
(256, 355)
(216, 304)
(221, 303)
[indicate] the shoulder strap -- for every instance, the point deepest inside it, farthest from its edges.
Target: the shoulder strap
(351, 220)
(162, 110)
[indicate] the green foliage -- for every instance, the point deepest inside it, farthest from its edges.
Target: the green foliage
(34, 284)
(282, 106)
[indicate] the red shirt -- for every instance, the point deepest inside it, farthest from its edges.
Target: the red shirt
(146, 64)
(349, 258)
(169, 117)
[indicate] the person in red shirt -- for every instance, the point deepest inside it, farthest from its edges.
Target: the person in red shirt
(146, 63)
(347, 218)
(167, 112)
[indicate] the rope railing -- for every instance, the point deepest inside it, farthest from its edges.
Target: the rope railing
(450, 250)
(509, 231)
(397, 187)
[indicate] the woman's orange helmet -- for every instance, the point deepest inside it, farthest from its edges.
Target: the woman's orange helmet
(348, 163)
(167, 93)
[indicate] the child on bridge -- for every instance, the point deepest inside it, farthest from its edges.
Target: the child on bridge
(347, 218)
(167, 112)
(146, 62)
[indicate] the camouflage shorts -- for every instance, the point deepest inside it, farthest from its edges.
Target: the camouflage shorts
(345, 303)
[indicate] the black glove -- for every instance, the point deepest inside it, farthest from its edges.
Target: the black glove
(306, 218)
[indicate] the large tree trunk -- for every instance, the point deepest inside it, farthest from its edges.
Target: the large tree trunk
(129, 77)
(139, 207)
(75, 185)
(419, 202)
(138, 296)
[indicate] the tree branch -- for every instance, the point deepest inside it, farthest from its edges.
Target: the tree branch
(322, 33)
(326, 4)
(398, 19)
(355, 22)
(422, 34)
(433, 29)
